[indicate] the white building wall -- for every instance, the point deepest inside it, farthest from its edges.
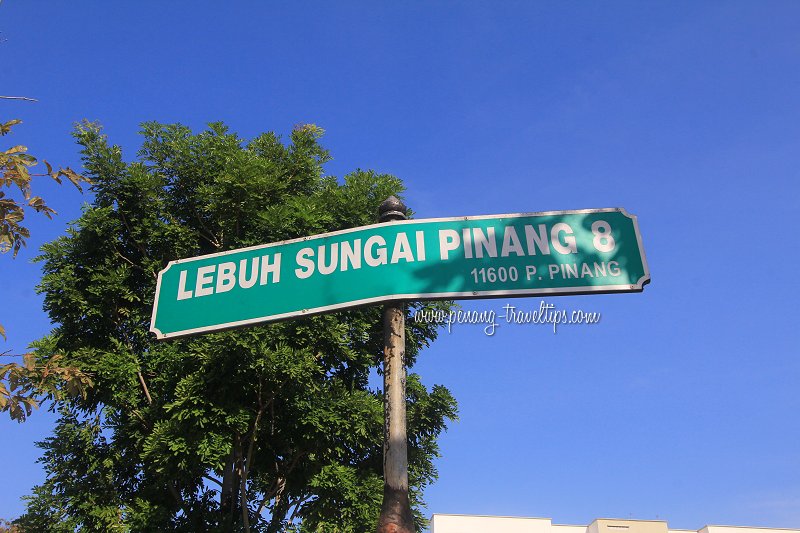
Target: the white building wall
(742, 529)
(561, 528)
(444, 523)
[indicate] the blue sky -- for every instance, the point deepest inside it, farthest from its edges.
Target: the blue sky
(682, 403)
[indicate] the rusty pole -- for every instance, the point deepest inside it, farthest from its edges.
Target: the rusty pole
(396, 516)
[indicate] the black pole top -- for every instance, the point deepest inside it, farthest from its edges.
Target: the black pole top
(392, 209)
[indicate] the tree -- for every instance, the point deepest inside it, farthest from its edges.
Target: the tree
(15, 171)
(8, 527)
(21, 385)
(269, 428)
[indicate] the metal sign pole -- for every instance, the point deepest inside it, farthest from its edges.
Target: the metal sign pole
(396, 516)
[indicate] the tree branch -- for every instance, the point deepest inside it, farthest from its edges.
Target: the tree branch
(280, 482)
(144, 386)
(243, 495)
(278, 514)
(212, 240)
(228, 481)
(130, 233)
(177, 495)
(253, 433)
(231, 484)
(245, 469)
(19, 98)
(215, 480)
(297, 505)
(134, 265)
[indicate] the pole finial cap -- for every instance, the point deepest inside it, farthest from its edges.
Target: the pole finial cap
(392, 209)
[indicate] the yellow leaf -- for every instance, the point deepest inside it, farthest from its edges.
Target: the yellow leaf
(17, 148)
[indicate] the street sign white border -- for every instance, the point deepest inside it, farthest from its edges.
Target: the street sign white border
(472, 295)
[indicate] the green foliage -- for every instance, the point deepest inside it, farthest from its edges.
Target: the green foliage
(79, 459)
(268, 428)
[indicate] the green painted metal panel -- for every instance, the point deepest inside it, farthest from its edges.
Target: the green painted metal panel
(564, 252)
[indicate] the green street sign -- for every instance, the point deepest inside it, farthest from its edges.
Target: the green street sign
(558, 252)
